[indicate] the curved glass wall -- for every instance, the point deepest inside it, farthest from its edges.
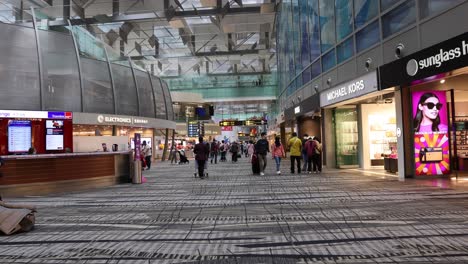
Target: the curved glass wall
(145, 94)
(344, 18)
(316, 36)
(19, 64)
(98, 96)
(74, 72)
(159, 96)
(170, 110)
(61, 80)
(125, 91)
(364, 11)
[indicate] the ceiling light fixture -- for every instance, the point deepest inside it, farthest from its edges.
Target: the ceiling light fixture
(442, 81)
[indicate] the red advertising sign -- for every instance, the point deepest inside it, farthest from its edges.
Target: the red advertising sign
(226, 128)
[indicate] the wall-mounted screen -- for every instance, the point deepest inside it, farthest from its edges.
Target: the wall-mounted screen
(19, 136)
(54, 134)
(431, 138)
(200, 111)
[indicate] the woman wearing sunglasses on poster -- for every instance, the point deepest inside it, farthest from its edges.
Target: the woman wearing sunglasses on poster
(427, 117)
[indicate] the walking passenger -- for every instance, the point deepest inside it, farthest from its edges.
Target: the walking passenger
(214, 151)
(278, 153)
(173, 155)
(241, 145)
(222, 150)
(261, 148)
(147, 154)
(317, 158)
(304, 154)
(309, 149)
(201, 151)
(295, 148)
(250, 149)
(234, 151)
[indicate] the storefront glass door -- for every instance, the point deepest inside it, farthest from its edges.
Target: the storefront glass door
(347, 136)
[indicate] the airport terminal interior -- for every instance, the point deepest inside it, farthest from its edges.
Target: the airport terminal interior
(233, 131)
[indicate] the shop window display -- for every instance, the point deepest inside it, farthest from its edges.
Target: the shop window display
(382, 137)
(347, 136)
(461, 134)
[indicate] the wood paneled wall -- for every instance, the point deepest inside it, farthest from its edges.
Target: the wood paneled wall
(20, 177)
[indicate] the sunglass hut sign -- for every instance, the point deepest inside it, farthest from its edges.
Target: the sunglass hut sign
(437, 60)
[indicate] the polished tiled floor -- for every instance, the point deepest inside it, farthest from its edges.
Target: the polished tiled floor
(339, 216)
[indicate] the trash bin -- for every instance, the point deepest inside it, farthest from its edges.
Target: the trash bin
(136, 172)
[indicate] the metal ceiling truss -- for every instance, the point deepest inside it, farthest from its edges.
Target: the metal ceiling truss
(153, 16)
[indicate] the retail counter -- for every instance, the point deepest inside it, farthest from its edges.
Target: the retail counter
(23, 175)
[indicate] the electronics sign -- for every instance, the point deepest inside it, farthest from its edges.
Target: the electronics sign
(54, 134)
(431, 139)
(19, 136)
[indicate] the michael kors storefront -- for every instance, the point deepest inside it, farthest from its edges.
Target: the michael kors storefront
(359, 123)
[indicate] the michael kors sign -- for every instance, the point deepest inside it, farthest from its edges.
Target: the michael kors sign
(349, 90)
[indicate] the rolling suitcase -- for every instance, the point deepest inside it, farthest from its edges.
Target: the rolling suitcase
(255, 164)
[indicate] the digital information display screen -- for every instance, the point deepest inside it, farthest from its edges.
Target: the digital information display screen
(19, 135)
(54, 134)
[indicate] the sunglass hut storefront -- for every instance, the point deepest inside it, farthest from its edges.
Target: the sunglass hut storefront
(433, 85)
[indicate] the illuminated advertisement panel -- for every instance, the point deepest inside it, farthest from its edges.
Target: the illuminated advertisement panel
(19, 136)
(431, 138)
(54, 134)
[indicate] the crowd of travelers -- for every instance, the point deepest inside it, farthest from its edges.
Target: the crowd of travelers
(308, 149)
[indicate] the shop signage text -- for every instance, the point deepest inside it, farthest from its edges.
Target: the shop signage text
(349, 90)
(413, 66)
(140, 121)
(432, 61)
(123, 120)
(345, 90)
(35, 114)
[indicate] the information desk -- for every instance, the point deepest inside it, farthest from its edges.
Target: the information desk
(23, 175)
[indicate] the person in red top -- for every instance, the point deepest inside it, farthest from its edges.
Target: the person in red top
(277, 151)
(313, 150)
(201, 151)
(309, 150)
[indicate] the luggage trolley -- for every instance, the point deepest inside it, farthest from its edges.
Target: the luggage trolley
(195, 174)
(183, 158)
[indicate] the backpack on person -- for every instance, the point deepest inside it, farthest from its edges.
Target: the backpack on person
(213, 147)
(221, 148)
(234, 148)
(318, 148)
(261, 147)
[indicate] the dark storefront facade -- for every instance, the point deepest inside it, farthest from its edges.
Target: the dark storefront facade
(432, 88)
